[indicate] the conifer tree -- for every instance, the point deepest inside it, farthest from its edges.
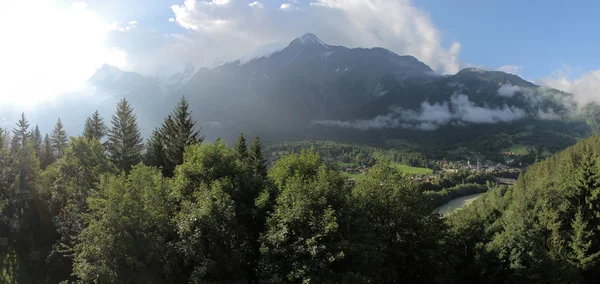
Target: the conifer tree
(581, 243)
(59, 139)
(124, 138)
(2, 144)
(21, 134)
(178, 131)
(155, 150)
(94, 127)
(37, 140)
(257, 160)
(46, 153)
(241, 148)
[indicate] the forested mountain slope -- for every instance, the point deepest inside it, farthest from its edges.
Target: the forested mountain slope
(545, 229)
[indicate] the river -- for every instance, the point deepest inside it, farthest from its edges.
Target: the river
(457, 203)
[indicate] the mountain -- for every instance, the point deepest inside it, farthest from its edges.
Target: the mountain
(313, 90)
(307, 80)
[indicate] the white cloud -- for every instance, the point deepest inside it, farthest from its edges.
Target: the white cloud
(118, 26)
(286, 6)
(171, 20)
(256, 4)
(585, 89)
(229, 29)
(458, 111)
(50, 50)
(508, 90)
(467, 111)
(512, 69)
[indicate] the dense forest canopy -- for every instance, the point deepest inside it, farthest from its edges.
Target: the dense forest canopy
(105, 208)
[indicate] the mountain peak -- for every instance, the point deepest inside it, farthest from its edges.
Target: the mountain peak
(308, 39)
(105, 72)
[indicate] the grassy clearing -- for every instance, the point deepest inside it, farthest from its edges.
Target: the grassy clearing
(517, 149)
(412, 170)
(356, 177)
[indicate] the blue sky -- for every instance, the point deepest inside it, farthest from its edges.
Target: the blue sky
(540, 36)
(552, 43)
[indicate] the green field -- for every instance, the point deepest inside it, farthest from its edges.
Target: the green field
(517, 149)
(356, 177)
(411, 170)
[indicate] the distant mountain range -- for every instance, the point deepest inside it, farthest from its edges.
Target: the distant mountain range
(310, 89)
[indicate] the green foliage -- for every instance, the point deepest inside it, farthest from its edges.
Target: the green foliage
(401, 231)
(155, 150)
(21, 134)
(47, 156)
(36, 137)
(124, 143)
(127, 236)
(257, 161)
(213, 173)
(94, 127)
(59, 139)
(241, 148)
(67, 184)
(306, 237)
(167, 144)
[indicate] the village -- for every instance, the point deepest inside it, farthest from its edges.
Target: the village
(502, 173)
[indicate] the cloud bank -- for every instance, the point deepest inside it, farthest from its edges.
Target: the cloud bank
(585, 89)
(459, 110)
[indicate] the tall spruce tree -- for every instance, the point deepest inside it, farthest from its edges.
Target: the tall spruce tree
(59, 139)
(155, 150)
(94, 127)
(21, 134)
(178, 131)
(47, 156)
(37, 140)
(1, 138)
(241, 148)
(124, 138)
(257, 161)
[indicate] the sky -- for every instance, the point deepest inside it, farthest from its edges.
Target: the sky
(51, 47)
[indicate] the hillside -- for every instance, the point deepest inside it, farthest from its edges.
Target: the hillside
(545, 229)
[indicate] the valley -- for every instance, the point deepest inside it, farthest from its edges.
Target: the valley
(317, 161)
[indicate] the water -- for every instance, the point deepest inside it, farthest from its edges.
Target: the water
(457, 203)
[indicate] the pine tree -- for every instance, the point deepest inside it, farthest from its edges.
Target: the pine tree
(21, 134)
(1, 138)
(581, 243)
(178, 131)
(155, 150)
(241, 148)
(46, 153)
(37, 140)
(124, 138)
(59, 139)
(94, 127)
(257, 160)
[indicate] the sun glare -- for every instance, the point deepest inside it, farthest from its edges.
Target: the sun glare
(49, 50)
